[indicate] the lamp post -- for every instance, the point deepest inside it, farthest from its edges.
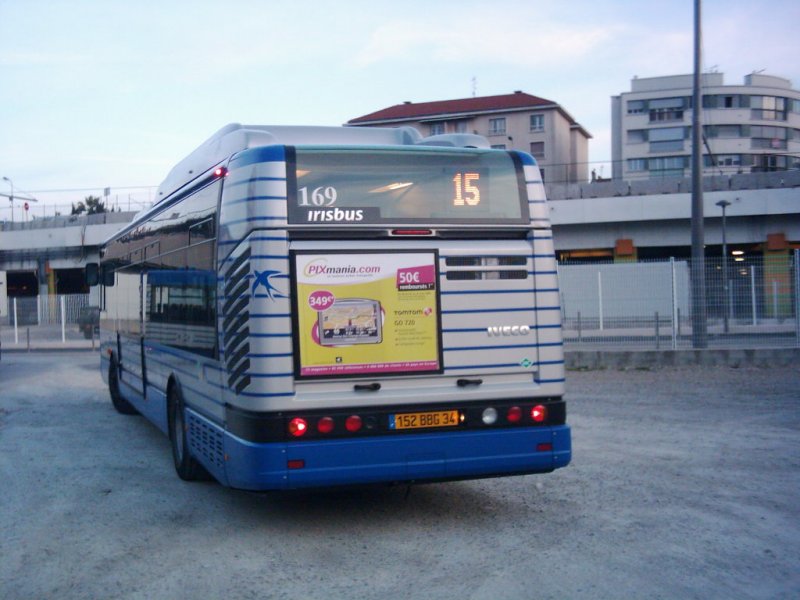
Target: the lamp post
(723, 204)
(11, 197)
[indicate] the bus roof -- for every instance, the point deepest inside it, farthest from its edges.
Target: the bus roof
(235, 137)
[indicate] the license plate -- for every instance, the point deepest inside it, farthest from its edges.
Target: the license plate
(421, 420)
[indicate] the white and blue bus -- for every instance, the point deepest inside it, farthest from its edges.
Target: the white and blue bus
(309, 307)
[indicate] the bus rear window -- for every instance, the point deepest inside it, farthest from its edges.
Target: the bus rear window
(430, 185)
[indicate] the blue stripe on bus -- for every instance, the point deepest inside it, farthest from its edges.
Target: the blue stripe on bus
(560, 380)
(528, 291)
(500, 366)
(495, 310)
(247, 199)
(261, 154)
(269, 375)
(483, 329)
(504, 366)
(255, 239)
(259, 257)
(467, 292)
(508, 347)
(270, 335)
(252, 219)
(253, 180)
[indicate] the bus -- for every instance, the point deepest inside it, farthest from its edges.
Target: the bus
(307, 307)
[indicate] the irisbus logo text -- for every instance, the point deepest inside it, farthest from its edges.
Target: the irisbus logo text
(320, 266)
(508, 330)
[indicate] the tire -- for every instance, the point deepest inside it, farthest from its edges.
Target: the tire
(121, 405)
(186, 466)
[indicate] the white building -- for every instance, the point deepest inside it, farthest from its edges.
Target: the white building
(753, 127)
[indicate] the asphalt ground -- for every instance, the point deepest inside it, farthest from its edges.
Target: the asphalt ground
(684, 484)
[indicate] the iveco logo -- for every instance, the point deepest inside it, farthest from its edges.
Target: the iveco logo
(508, 330)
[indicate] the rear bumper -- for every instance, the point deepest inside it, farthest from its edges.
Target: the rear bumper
(389, 459)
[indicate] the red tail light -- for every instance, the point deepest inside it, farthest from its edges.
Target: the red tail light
(325, 425)
(353, 423)
(539, 413)
(298, 427)
(514, 414)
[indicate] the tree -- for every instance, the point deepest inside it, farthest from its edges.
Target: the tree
(91, 205)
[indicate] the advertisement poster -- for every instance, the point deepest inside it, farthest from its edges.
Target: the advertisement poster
(367, 313)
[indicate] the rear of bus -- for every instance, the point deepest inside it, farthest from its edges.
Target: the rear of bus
(386, 314)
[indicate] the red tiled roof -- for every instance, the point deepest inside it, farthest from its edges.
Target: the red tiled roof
(409, 110)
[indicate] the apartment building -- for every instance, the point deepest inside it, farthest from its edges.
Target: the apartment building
(753, 127)
(517, 121)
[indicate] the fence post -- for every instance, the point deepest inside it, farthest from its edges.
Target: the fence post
(63, 321)
(600, 297)
(797, 295)
(16, 326)
(774, 299)
(753, 294)
(658, 334)
(674, 306)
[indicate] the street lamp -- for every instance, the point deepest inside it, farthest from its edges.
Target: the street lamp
(11, 197)
(723, 204)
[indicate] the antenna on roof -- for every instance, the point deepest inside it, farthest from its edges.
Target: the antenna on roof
(474, 87)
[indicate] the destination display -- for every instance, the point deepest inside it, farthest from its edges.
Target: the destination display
(351, 186)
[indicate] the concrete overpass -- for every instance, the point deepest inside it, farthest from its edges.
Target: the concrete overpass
(623, 220)
(47, 256)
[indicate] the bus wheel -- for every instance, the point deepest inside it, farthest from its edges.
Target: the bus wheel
(186, 466)
(120, 404)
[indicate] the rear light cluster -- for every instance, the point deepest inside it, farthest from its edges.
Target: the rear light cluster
(470, 418)
(298, 426)
(515, 414)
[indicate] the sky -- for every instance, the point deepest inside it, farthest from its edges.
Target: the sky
(111, 94)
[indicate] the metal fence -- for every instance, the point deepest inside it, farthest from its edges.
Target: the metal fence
(750, 302)
(44, 321)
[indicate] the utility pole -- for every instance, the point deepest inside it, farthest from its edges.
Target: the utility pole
(699, 316)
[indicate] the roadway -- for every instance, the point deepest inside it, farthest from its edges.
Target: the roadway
(683, 484)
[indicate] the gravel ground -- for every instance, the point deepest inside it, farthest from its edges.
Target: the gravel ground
(684, 484)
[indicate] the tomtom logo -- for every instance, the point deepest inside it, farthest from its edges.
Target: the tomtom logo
(508, 330)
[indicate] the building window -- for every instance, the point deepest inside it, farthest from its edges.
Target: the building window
(667, 166)
(666, 139)
(768, 108)
(537, 122)
(437, 128)
(666, 109)
(637, 136)
(765, 136)
(498, 146)
(722, 160)
(637, 164)
(723, 131)
(537, 150)
(636, 107)
(460, 127)
(497, 126)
